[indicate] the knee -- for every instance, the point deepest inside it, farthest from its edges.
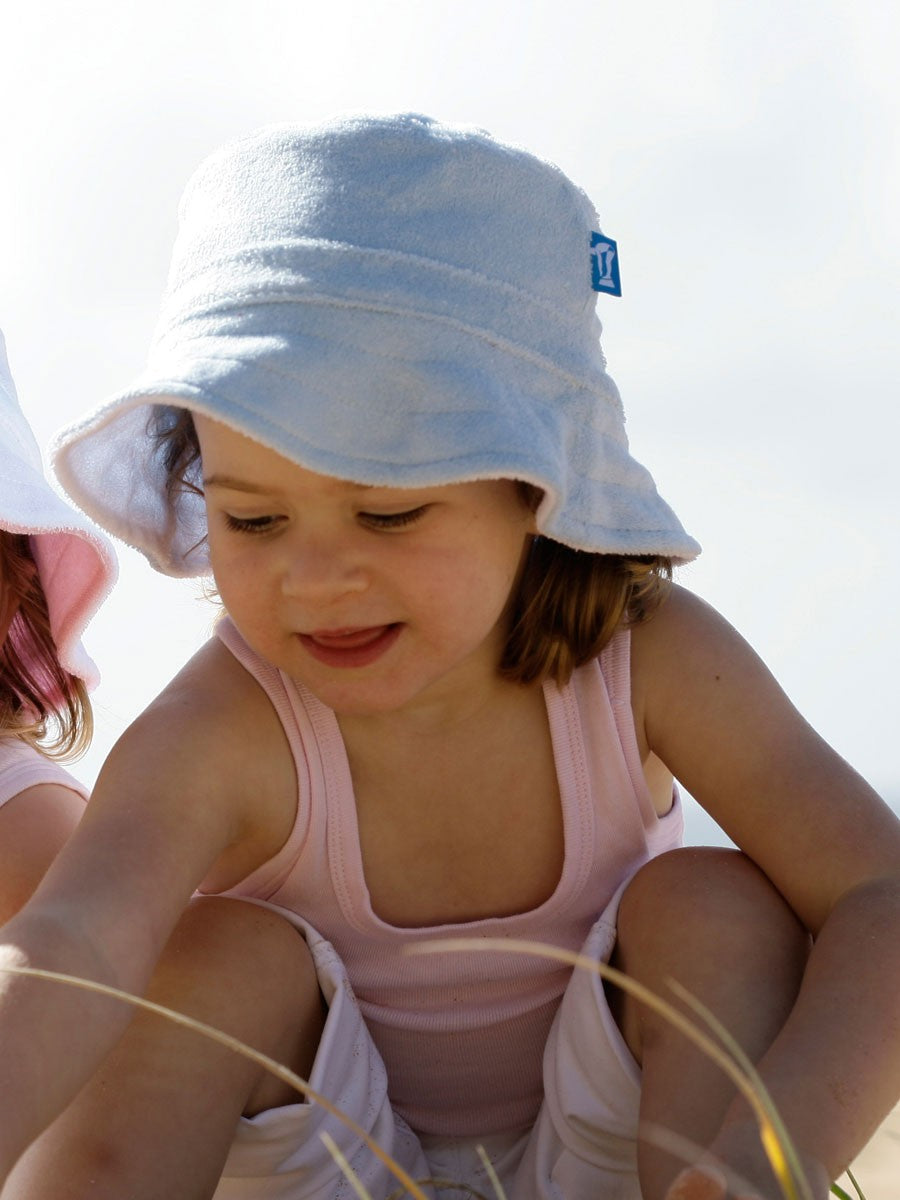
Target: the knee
(248, 971)
(233, 949)
(710, 920)
(708, 901)
(212, 924)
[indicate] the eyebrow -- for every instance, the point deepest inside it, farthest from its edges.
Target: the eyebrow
(235, 484)
(231, 482)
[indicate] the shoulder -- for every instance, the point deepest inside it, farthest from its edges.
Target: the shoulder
(709, 708)
(695, 678)
(212, 747)
(34, 826)
(686, 644)
(212, 704)
(681, 622)
(212, 696)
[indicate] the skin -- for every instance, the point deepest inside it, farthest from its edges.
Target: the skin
(35, 824)
(181, 803)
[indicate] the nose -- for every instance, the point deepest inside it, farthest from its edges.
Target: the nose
(320, 569)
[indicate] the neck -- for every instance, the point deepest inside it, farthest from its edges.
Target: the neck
(439, 716)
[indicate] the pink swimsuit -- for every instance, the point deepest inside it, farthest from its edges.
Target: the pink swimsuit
(21, 767)
(463, 1035)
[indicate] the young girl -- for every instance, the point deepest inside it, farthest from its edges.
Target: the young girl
(449, 697)
(54, 572)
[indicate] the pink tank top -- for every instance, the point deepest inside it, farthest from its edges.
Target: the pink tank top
(21, 767)
(462, 1034)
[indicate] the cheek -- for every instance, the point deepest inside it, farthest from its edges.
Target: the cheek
(471, 586)
(240, 583)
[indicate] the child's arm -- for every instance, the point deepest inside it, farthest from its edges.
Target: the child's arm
(171, 801)
(34, 826)
(708, 707)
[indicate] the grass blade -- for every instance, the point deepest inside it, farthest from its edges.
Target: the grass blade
(775, 1139)
(793, 1183)
(491, 1173)
(341, 1159)
(839, 1191)
(224, 1039)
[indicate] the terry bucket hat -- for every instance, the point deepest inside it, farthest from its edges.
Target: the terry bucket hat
(387, 300)
(76, 563)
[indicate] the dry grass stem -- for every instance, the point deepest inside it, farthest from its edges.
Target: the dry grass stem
(491, 1173)
(775, 1138)
(731, 1059)
(681, 1147)
(838, 1191)
(855, 1183)
(224, 1039)
(341, 1159)
(782, 1157)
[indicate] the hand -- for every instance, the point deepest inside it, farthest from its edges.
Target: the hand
(737, 1168)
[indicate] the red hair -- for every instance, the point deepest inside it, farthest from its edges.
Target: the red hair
(40, 702)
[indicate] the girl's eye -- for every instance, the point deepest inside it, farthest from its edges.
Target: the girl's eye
(393, 520)
(250, 524)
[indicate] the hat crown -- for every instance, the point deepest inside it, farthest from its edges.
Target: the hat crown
(15, 432)
(406, 185)
(385, 299)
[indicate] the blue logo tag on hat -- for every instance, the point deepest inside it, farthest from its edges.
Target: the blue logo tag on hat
(605, 265)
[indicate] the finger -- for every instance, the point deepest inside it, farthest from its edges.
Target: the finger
(699, 1183)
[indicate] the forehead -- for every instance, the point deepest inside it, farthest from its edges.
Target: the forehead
(233, 460)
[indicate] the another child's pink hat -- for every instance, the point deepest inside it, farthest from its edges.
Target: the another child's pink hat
(76, 562)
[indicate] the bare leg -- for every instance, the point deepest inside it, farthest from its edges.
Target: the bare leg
(711, 920)
(158, 1118)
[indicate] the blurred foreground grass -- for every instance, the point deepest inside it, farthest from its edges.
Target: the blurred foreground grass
(879, 1163)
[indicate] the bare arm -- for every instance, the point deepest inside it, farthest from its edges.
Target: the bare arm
(34, 827)
(170, 804)
(709, 708)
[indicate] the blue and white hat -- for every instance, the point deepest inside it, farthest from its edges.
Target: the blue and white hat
(387, 300)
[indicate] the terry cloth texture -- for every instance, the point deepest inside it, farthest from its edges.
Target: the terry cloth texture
(387, 300)
(77, 564)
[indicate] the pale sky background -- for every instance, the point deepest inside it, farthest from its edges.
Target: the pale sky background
(745, 156)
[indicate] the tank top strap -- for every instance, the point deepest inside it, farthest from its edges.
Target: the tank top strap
(295, 720)
(23, 766)
(615, 666)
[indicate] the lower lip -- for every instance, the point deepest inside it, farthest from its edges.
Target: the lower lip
(360, 648)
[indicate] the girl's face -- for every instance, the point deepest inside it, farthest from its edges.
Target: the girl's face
(376, 598)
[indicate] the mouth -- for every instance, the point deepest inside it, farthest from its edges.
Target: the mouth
(350, 647)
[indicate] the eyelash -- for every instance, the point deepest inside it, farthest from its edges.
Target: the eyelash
(260, 525)
(255, 525)
(394, 520)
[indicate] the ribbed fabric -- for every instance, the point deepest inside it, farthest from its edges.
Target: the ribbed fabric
(462, 1034)
(21, 767)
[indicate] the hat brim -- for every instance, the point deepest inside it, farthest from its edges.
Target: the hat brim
(76, 563)
(431, 403)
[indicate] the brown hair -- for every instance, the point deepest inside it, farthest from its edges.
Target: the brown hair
(40, 701)
(566, 607)
(569, 604)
